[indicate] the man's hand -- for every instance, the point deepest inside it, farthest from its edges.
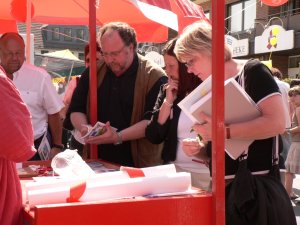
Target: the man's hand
(54, 151)
(108, 137)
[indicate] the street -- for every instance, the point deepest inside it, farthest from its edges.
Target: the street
(296, 206)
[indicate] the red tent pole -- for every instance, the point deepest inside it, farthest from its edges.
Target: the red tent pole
(93, 72)
(28, 30)
(218, 134)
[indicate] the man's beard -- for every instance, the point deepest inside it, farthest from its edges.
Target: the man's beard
(116, 67)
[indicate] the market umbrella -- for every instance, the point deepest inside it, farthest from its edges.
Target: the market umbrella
(150, 18)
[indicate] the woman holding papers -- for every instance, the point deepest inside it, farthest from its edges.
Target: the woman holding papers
(170, 126)
(194, 47)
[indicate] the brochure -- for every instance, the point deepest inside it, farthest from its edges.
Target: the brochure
(239, 107)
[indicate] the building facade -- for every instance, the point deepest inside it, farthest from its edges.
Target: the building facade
(263, 32)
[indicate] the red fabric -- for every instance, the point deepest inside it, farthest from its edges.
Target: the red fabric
(133, 172)
(76, 192)
(274, 2)
(47, 12)
(16, 145)
(8, 26)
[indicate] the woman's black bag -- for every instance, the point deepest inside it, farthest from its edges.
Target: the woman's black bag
(258, 199)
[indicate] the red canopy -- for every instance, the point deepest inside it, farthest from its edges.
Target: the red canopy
(150, 18)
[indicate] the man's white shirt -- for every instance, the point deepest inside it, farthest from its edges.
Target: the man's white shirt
(39, 94)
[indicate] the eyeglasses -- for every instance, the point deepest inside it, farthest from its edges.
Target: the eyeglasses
(113, 54)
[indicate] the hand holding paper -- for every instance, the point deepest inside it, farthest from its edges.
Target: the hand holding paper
(101, 134)
(204, 129)
(239, 107)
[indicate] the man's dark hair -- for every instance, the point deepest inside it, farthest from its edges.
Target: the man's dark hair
(126, 32)
(276, 73)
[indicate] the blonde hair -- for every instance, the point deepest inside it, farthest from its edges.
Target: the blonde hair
(197, 38)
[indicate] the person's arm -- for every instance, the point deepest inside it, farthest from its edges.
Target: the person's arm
(16, 132)
(133, 132)
(79, 119)
(297, 128)
(271, 123)
(77, 109)
(156, 132)
(55, 125)
(171, 94)
(68, 96)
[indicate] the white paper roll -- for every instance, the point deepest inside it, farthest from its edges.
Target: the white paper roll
(49, 182)
(177, 182)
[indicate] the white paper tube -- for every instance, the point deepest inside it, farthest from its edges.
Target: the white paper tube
(49, 182)
(178, 182)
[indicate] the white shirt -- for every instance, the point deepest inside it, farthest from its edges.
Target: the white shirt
(284, 89)
(39, 94)
(182, 160)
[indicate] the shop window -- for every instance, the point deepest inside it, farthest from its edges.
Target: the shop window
(241, 15)
(56, 33)
(294, 61)
(80, 35)
(290, 8)
(68, 34)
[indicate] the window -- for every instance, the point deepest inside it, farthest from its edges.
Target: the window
(80, 35)
(290, 8)
(294, 61)
(68, 34)
(241, 15)
(55, 33)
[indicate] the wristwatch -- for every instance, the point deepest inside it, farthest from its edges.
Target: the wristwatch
(119, 141)
(58, 146)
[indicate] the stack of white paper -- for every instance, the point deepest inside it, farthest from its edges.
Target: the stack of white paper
(239, 107)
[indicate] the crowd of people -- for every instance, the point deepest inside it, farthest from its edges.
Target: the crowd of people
(137, 101)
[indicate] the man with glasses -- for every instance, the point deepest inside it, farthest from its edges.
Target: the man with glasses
(128, 85)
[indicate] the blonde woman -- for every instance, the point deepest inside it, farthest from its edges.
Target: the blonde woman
(292, 162)
(247, 197)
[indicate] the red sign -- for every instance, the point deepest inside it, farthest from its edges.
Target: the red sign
(274, 2)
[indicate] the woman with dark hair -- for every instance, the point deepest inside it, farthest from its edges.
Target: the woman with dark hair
(169, 125)
(87, 54)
